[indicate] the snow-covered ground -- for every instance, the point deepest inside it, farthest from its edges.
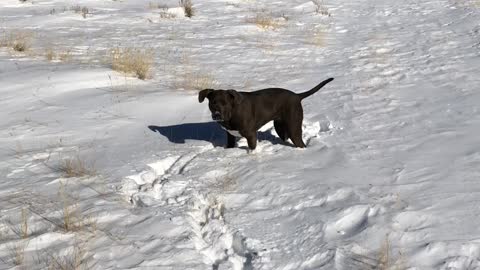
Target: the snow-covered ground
(389, 178)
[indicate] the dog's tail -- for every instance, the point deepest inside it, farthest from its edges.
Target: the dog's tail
(315, 89)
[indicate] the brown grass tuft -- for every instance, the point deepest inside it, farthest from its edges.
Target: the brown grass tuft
(72, 219)
(76, 167)
(84, 11)
(266, 21)
(320, 8)
(50, 54)
(388, 261)
(64, 56)
(17, 252)
(187, 6)
(195, 81)
(72, 258)
(132, 61)
(21, 41)
(18, 40)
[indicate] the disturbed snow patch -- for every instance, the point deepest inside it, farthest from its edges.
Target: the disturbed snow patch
(215, 238)
(153, 185)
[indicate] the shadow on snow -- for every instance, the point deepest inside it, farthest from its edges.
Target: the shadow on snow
(207, 131)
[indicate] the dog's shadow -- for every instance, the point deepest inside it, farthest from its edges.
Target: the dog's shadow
(207, 131)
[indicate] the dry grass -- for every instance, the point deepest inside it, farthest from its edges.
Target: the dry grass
(189, 76)
(266, 21)
(387, 260)
(4, 40)
(196, 81)
(20, 228)
(232, 4)
(76, 167)
(320, 8)
(132, 61)
(65, 56)
(17, 253)
(54, 11)
(72, 258)
(317, 37)
(52, 54)
(24, 224)
(384, 256)
(19, 41)
(84, 11)
(187, 6)
(72, 219)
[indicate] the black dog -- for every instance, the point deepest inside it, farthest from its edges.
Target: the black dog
(243, 113)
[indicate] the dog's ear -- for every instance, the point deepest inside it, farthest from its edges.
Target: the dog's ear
(203, 94)
(237, 97)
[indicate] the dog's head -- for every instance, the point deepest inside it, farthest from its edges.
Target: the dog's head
(220, 102)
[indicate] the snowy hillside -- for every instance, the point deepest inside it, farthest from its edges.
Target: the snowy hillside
(103, 170)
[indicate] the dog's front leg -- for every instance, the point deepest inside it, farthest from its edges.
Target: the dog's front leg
(231, 140)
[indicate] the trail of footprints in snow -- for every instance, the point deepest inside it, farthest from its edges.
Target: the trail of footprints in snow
(152, 186)
(214, 238)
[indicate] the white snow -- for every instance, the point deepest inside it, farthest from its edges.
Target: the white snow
(392, 159)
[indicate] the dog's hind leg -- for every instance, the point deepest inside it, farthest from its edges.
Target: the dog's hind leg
(296, 137)
(252, 140)
(280, 129)
(294, 127)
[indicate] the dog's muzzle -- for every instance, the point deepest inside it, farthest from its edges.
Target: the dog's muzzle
(217, 116)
